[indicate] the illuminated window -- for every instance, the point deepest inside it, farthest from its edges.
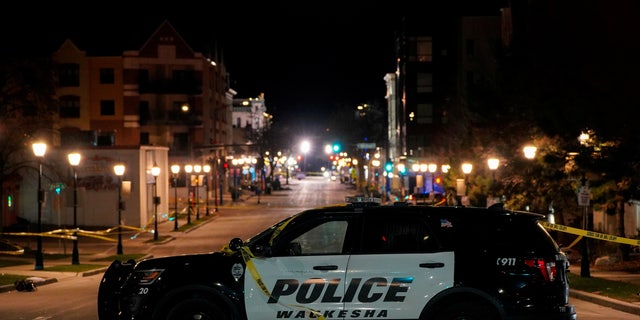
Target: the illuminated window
(424, 46)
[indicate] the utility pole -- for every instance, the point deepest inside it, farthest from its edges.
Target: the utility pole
(583, 200)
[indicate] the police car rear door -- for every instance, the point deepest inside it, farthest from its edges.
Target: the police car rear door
(398, 268)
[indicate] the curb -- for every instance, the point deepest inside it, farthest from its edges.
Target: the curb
(619, 305)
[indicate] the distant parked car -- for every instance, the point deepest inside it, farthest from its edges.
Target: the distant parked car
(300, 175)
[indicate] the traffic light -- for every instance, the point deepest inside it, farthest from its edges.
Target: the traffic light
(388, 167)
(402, 169)
(336, 147)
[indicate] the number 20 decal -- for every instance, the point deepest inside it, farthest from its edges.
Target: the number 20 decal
(506, 262)
(143, 290)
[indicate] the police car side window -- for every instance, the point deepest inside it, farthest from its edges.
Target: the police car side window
(326, 238)
(402, 234)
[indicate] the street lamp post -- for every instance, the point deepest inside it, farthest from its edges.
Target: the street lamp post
(493, 164)
(188, 169)
(432, 167)
(155, 171)
(216, 177)
(197, 169)
(74, 161)
(466, 169)
(118, 169)
(39, 149)
(175, 169)
(206, 168)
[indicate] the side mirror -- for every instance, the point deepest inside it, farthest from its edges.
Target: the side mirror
(235, 244)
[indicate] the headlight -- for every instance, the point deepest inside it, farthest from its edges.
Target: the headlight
(147, 277)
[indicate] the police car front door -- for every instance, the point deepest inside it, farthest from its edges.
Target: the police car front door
(307, 282)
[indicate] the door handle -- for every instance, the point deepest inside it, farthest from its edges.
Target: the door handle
(432, 265)
(331, 267)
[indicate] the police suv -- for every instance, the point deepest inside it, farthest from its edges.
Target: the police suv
(360, 260)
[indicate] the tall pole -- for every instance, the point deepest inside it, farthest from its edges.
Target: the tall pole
(188, 169)
(74, 160)
(215, 185)
(39, 149)
(584, 262)
(155, 209)
(39, 258)
(197, 168)
(175, 203)
(119, 250)
(207, 169)
(119, 171)
(155, 171)
(175, 169)
(75, 259)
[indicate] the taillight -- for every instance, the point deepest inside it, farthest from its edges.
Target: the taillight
(547, 269)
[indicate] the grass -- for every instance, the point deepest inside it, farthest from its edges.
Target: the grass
(7, 279)
(613, 289)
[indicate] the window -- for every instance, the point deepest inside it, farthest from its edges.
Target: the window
(470, 47)
(424, 113)
(106, 139)
(470, 78)
(184, 76)
(180, 142)
(144, 138)
(424, 82)
(69, 107)
(327, 238)
(107, 107)
(69, 75)
(143, 78)
(144, 113)
(402, 234)
(106, 76)
(424, 46)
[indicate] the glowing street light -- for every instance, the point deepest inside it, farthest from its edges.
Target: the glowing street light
(118, 169)
(74, 161)
(175, 169)
(39, 149)
(466, 169)
(529, 152)
(155, 171)
(197, 169)
(206, 168)
(188, 169)
(493, 164)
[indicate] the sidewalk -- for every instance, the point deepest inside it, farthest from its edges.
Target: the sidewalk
(43, 277)
(91, 254)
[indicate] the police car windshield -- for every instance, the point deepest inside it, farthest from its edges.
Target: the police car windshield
(267, 234)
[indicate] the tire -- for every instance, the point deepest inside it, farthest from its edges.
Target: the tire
(468, 310)
(197, 308)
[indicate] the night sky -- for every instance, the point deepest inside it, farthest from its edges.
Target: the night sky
(307, 57)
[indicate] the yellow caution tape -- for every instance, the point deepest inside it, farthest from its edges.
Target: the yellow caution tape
(73, 234)
(590, 234)
(247, 255)
(573, 243)
(43, 234)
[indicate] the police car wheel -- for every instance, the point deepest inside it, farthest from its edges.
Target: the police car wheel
(468, 310)
(196, 309)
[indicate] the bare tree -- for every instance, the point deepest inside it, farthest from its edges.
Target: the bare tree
(26, 113)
